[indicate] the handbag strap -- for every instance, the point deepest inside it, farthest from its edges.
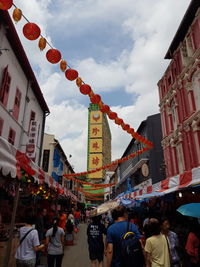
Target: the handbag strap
(21, 240)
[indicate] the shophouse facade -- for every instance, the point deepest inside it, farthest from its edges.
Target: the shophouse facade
(145, 169)
(179, 91)
(56, 164)
(22, 106)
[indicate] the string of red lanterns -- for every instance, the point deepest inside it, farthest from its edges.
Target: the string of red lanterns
(32, 32)
(87, 183)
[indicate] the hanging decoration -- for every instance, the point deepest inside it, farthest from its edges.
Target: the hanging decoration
(42, 43)
(63, 65)
(53, 56)
(71, 74)
(96, 194)
(79, 82)
(88, 189)
(87, 183)
(6, 4)
(31, 31)
(17, 14)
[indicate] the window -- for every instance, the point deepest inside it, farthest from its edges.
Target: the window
(45, 162)
(11, 136)
(1, 126)
(5, 86)
(17, 102)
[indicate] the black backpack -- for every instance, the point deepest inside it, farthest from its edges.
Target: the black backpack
(131, 250)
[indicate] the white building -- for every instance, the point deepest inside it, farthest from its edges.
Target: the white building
(21, 100)
(55, 163)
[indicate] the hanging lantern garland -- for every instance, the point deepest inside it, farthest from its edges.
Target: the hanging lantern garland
(32, 32)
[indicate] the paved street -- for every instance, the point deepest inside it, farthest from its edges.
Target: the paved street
(77, 255)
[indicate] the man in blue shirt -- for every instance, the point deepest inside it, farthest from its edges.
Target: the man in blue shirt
(114, 235)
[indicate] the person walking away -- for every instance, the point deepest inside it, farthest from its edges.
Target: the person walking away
(193, 245)
(77, 217)
(55, 244)
(173, 242)
(156, 247)
(62, 220)
(29, 244)
(95, 233)
(114, 236)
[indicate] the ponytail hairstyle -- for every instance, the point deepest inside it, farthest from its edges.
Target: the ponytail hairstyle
(55, 226)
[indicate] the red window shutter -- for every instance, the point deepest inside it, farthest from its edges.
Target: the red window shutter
(1, 126)
(5, 75)
(16, 106)
(11, 136)
(5, 87)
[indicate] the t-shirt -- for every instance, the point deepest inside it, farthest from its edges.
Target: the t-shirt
(25, 250)
(157, 247)
(55, 246)
(77, 215)
(192, 247)
(114, 235)
(95, 235)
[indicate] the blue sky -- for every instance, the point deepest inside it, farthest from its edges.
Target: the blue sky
(117, 46)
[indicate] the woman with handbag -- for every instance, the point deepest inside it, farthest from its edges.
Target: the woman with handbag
(55, 244)
(29, 244)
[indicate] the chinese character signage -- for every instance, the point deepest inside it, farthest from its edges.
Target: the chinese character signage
(95, 145)
(95, 131)
(96, 116)
(31, 146)
(95, 160)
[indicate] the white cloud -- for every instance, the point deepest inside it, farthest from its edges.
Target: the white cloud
(151, 24)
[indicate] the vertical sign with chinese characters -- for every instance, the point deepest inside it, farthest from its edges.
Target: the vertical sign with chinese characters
(95, 157)
(31, 146)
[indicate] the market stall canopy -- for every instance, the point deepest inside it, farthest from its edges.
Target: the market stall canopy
(105, 207)
(12, 160)
(192, 210)
(169, 185)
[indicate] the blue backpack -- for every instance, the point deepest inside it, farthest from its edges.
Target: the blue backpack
(131, 250)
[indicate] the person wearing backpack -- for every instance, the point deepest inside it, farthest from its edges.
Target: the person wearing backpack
(29, 244)
(55, 244)
(115, 236)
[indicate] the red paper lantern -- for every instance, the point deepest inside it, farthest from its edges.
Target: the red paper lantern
(5, 4)
(53, 56)
(95, 99)
(105, 109)
(131, 131)
(126, 127)
(112, 115)
(85, 89)
(71, 74)
(119, 121)
(31, 31)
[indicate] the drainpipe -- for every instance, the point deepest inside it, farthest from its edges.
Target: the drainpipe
(23, 121)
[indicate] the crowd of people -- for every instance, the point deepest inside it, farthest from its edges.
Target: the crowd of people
(121, 238)
(132, 241)
(45, 234)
